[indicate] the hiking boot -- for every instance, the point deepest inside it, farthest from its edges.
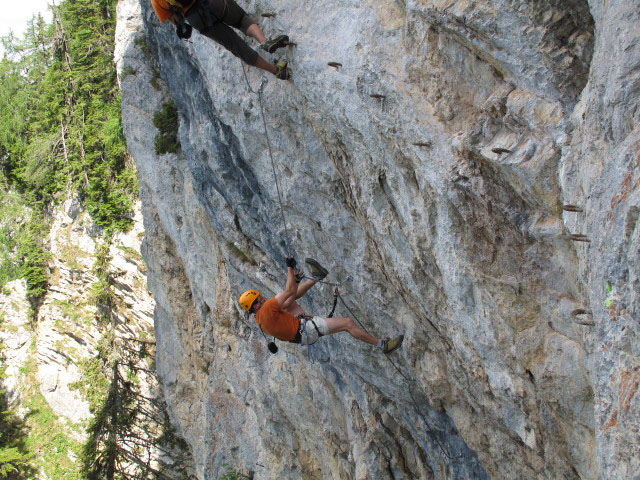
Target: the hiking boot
(317, 271)
(272, 44)
(391, 344)
(282, 71)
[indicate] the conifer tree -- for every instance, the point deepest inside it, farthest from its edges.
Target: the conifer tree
(60, 130)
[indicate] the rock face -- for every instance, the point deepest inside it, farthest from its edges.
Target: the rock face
(44, 357)
(15, 336)
(429, 173)
(67, 330)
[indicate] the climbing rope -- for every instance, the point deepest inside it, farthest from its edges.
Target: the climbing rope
(430, 429)
(263, 82)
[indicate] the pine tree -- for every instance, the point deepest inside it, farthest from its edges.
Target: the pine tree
(15, 461)
(60, 125)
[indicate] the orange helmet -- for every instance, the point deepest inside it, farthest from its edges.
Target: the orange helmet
(247, 298)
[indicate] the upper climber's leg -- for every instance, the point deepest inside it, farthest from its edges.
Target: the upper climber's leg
(206, 19)
(264, 65)
(254, 31)
(229, 12)
(304, 287)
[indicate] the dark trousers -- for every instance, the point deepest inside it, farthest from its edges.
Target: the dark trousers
(213, 18)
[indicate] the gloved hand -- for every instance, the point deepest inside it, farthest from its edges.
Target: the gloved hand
(183, 30)
(291, 262)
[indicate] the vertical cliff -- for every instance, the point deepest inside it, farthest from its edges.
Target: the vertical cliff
(429, 174)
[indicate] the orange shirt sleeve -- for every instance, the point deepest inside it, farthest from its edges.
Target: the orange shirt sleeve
(162, 9)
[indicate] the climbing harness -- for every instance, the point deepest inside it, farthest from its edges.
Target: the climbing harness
(304, 334)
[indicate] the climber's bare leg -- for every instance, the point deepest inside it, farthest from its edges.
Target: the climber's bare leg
(346, 324)
(254, 31)
(304, 288)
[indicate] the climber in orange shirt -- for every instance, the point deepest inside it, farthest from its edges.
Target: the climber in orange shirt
(283, 318)
(214, 19)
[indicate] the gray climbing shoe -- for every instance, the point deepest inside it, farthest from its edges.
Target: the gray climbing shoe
(272, 44)
(317, 271)
(391, 344)
(282, 71)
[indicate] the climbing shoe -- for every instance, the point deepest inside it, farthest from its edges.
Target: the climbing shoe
(282, 71)
(317, 271)
(272, 44)
(391, 344)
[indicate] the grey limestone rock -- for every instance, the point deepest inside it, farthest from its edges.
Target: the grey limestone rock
(390, 177)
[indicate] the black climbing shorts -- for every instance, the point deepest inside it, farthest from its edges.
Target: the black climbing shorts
(213, 18)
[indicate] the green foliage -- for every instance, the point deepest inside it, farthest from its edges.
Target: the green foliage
(141, 43)
(48, 439)
(156, 80)
(101, 291)
(60, 119)
(131, 254)
(71, 255)
(95, 382)
(23, 253)
(166, 121)
(14, 218)
(242, 256)
(74, 311)
(12, 461)
(127, 425)
(116, 447)
(34, 258)
(129, 70)
(60, 128)
(15, 460)
(232, 474)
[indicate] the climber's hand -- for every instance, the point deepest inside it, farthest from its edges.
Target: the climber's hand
(291, 262)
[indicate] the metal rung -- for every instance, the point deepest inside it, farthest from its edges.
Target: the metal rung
(572, 208)
(582, 311)
(579, 237)
(500, 151)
